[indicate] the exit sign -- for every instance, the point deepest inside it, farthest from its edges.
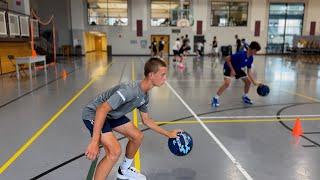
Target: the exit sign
(176, 31)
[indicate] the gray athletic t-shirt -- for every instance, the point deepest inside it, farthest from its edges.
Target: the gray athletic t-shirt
(122, 98)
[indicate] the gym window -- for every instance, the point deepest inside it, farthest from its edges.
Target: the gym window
(168, 12)
(108, 12)
(229, 13)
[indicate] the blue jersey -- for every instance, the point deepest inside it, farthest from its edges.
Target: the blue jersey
(240, 60)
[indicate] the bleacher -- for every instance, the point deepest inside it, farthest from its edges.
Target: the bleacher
(306, 45)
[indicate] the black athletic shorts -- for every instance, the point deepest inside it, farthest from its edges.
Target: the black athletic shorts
(175, 52)
(108, 125)
(154, 50)
(239, 73)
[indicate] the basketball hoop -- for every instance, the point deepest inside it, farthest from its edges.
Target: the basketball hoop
(183, 23)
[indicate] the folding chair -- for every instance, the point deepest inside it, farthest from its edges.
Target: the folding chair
(21, 67)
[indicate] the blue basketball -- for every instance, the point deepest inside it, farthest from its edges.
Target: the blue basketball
(263, 90)
(182, 145)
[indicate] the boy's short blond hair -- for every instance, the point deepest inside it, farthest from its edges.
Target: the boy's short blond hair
(152, 65)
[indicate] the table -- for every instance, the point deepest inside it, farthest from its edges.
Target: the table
(29, 60)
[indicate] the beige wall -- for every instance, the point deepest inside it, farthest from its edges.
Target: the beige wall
(312, 13)
(259, 10)
(120, 37)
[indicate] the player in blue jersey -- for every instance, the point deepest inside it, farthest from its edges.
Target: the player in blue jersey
(234, 67)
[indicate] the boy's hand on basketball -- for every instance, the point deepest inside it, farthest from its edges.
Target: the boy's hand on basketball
(257, 83)
(173, 133)
(92, 151)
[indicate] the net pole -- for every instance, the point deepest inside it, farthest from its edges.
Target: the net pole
(54, 41)
(32, 40)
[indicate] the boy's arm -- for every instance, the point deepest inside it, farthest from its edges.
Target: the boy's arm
(93, 147)
(251, 78)
(228, 60)
(152, 125)
(101, 114)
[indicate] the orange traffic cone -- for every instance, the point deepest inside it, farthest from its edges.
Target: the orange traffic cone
(33, 53)
(297, 128)
(64, 74)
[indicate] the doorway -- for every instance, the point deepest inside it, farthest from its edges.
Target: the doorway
(166, 39)
(95, 41)
(198, 39)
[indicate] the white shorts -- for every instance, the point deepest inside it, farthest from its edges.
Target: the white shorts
(215, 50)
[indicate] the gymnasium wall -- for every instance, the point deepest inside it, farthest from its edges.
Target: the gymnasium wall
(125, 41)
(62, 18)
(21, 6)
(312, 13)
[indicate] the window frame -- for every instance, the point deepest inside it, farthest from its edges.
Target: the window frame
(4, 24)
(107, 17)
(228, 4)
(283, 46)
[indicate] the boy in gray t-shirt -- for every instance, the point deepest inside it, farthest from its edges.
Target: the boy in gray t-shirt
(107, 112)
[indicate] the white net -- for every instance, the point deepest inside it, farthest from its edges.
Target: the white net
(35, 27)
(3, 27)
(24, 26)
(14, 27)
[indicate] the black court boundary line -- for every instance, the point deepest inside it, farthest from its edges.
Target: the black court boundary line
(289, 129)
(309, 146)
(162, 124)
(311, 133)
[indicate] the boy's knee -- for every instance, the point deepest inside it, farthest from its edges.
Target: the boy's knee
(138, 136)
(115, 152)
(113, 149)
(247, 81)
(226, 84)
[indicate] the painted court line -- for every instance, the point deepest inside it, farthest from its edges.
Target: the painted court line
(302, 95)
(221, 121)
(225, 150)
(261, 117)
(137, 163)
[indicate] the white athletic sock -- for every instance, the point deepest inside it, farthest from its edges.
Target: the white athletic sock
(126, 163)
(245, 95)
(217, 97)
